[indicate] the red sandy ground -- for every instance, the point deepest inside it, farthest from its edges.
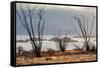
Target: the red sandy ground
(57, 57)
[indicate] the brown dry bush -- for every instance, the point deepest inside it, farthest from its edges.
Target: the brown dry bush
(50, 51)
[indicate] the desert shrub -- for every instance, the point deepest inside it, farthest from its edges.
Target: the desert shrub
(77, 47)
(19, 50)
(25, 53)
(48, 58)
(50, 51)
(93, 49)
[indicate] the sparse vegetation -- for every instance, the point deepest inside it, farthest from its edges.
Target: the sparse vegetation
(50, 51)
(19, 51)
(27, 24)
(61, 40)
(85, 32)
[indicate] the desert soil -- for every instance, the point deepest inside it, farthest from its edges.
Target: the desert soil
(22, 60)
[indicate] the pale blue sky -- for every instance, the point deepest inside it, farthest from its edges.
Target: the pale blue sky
(56, 18)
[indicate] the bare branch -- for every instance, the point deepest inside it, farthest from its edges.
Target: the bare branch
(84, 30)
(30, 30)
